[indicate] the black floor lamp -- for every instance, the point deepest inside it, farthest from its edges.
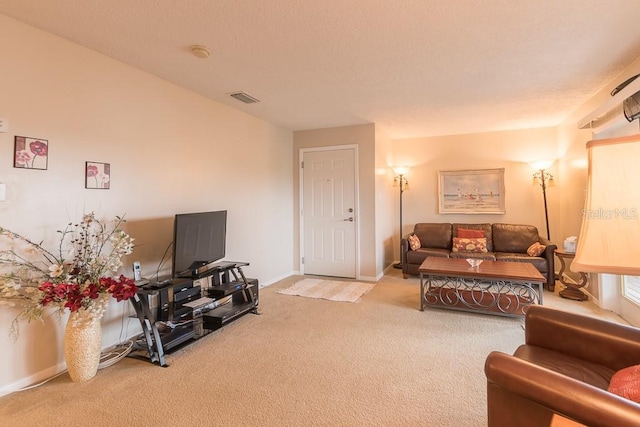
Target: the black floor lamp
(545, 180)
(400, 180)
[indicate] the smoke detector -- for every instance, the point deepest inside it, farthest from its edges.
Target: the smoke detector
(200, 51)
(241, 96)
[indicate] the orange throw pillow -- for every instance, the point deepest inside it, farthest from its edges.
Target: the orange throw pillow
(467, 233)
(536, 249)
(626, 383)
(414, 242)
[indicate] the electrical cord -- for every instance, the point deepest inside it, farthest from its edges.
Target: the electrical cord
(111, 357)
(162, 261)
(106, 359)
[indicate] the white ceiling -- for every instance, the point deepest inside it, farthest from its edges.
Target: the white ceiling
(414, 67)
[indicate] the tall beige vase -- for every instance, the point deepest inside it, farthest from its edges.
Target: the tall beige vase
(82, 347)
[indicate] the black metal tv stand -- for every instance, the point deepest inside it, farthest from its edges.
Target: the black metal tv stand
(189, 308)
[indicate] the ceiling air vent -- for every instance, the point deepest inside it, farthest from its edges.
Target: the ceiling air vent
(241, 96)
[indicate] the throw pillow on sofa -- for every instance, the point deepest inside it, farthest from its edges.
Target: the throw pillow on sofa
(626, 383)
(414, 242)
(469, 244)
(536, 249)
(467, 233)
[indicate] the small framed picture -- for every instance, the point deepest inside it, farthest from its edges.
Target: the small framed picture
(97, 175)
(30, 153)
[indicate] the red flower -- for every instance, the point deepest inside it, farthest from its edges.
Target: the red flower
(122, 289)
(92, 171)
(39, 148)
(74, 296)
(92, 291)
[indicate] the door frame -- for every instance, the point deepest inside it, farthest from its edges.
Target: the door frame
(356, 186)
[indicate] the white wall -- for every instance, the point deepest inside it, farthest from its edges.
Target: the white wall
(171, 151)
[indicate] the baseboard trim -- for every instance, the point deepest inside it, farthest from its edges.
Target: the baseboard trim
(34, 379)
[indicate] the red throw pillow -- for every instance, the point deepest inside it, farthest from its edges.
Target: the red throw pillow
(467, 233)
(469, 245)
(626, 383)
(536, 249)
(414, 242)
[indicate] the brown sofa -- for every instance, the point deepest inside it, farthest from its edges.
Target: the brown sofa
(505, 242)
(563, 371)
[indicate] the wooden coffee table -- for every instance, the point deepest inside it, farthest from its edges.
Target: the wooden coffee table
(495, 287)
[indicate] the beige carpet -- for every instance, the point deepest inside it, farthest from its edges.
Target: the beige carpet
(311, 362)
(332, 290)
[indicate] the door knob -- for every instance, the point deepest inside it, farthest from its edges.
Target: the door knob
(350, 219)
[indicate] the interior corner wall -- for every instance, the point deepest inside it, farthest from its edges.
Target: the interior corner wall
(170, 151)
(364, 137)
(511, 150)
(384, 201)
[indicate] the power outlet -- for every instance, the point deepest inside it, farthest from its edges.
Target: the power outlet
(4, 125)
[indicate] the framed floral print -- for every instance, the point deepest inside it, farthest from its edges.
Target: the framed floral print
(30, 153)
(97, 175)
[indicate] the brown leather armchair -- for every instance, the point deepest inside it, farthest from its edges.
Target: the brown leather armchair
(564, 368)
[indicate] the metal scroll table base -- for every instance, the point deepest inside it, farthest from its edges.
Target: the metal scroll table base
(502, 297)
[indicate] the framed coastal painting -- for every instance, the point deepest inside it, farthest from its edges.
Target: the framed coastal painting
(30, 153)
(97, 175)
(479, 191)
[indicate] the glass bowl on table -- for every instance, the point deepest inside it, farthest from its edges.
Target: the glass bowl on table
(474, 262)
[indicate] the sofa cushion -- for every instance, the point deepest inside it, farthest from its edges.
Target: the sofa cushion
(414, 242)
(469, 245)
(434, 235)
(513, 237)
(626, 383)
(485, 228)
(478, 255)
(418, 256)
(590, 373)
(538, 262)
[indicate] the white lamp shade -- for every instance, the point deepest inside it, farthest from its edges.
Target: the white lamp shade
(400, 170)
(541, 164)
(609, 240)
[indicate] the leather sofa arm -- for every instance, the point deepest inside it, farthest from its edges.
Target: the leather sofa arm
(558, 393)
(546, 242)
(549, 255)
(595, 340)
(404, 248)
(404, 245)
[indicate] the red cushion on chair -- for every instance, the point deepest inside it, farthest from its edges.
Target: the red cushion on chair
(626, 383)
(467, 233)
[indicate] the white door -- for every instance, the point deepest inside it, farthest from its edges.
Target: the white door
(329, 216)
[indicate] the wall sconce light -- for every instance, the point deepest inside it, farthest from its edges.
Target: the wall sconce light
(544, 179)
(400, 180)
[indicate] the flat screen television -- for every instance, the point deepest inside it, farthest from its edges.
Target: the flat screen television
(198, 239)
